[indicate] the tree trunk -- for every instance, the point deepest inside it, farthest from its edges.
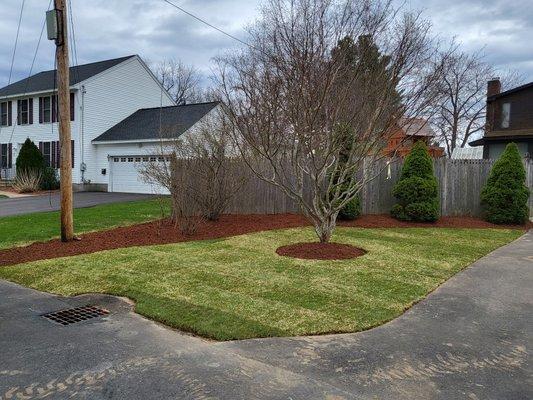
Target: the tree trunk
(324, 228)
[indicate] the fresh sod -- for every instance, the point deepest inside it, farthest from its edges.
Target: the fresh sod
(23, 229)
(239, 288)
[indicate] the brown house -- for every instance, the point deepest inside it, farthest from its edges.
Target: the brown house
(407, 133)
(509, 119)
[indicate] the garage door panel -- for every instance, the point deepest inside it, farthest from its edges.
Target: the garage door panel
(126, 178)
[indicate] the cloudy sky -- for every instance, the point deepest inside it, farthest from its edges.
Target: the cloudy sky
(153, 29)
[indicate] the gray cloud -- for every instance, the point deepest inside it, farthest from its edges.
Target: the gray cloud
(153, 29)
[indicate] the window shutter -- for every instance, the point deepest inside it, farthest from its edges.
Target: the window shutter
(58, 155)
(30, 112)
(72, 153)
(54, 108)
(41, 110)
(72, 106)
(10, 113)
(10, 155)
(53, 154)
(19, 112)
(41, 147)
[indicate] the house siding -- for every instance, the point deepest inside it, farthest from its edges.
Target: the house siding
(109, 98)
(39, 132)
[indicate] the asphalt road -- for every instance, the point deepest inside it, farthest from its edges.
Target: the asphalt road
(50, 202)
(470, 339)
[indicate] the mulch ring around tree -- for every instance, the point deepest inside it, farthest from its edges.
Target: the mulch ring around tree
(165, 232)
(320, 251)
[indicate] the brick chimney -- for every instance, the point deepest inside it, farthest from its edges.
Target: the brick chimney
(494, 86)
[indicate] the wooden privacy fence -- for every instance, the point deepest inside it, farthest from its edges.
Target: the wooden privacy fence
(460, 185)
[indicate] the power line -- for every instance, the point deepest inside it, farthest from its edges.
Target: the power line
(16, 42)
(208, 24)
(73, 39)
(31, 69)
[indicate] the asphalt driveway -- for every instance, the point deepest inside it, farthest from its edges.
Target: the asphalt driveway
(470, 339)
(50, 202)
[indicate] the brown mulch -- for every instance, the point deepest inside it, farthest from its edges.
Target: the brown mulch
(386, 221)
(164, 232)
(320, 251)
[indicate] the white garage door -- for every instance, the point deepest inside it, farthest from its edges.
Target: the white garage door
(125, 177)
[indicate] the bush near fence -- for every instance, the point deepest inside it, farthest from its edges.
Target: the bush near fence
(460, 185)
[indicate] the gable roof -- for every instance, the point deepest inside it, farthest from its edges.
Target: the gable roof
(144, 124)
(511, 91)
(44, 81)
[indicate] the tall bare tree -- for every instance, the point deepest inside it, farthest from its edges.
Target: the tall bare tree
(292, 102)
(461, 110)
(180, 80)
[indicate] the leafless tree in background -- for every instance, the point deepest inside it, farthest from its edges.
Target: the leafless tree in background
(180, 80)
(461, 110)
(301, 118)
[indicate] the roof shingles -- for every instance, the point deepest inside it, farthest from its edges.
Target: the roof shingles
(145, 124)
(44, 81)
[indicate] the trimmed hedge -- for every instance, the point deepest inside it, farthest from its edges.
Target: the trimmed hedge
(417, 188)
(504, 197)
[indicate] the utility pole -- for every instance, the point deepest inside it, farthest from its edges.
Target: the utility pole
(57, 30)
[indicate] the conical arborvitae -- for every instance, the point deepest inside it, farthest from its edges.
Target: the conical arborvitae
(417, 188)
(29, 158)
(504, 197)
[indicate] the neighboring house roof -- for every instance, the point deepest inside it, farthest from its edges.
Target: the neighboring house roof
(417, 127)
(44, 81)
(467, 153)
(157, 123)
(510, 91)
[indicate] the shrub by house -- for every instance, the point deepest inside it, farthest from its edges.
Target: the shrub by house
(417, 188)
(504, 197)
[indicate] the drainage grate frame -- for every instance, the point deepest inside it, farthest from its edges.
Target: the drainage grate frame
(71, 316)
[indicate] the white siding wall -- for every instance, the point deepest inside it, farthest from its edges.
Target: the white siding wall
(37, 132)
(110, 97)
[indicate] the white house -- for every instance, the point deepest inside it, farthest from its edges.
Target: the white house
(118, 112)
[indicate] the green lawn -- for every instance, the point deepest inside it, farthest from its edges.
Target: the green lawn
(239, 287)
(23, 229)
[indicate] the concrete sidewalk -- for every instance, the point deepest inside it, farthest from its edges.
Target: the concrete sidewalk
(470, 339)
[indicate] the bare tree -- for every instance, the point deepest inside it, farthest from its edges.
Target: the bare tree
(180, 80)
(199, 170)
(300, 117)
(461, 111)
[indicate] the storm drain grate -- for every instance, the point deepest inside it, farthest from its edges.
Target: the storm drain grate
(78, 314)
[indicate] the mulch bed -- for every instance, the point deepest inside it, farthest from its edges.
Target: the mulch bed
(320, 251)
(164, 232)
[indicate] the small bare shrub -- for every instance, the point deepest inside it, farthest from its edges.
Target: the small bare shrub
(27, 181)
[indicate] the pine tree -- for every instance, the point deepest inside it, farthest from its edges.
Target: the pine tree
(504, 197)
(417, 188)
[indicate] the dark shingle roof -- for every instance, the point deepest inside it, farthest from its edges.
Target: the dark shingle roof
(45, 80)
(144, 124)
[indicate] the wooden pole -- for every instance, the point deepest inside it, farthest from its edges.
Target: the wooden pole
(63, 86)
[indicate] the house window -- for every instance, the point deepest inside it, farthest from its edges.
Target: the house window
(25, 112)
(47, 153)
(45, 109)
(52, 154)
(5, 113)
(48, 108)
(506, 115)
